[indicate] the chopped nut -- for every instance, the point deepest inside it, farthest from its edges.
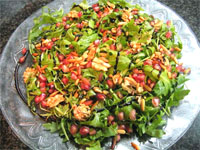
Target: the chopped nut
(142, 104)
(55, 100)
(135, 146)
(81, 112)
(29, 72)
(147, 88)
(119, 94)
(105, 92)
(97, 89)
(121, 131)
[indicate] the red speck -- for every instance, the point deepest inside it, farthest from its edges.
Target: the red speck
(116, 10)
(42, 84)
(22, 59)
(135, 70)
(24, 50)
(43, 49)
(65, 80)
(100, 96)
(174, 75)
(100, 76)
(85, 87)
(89, 64)
(71, 46)
(61, 57)
(99, 14)
(113, 47)
(64, 68)
(43, 96)
(168, 23)
(74, 76)
(119, 32)
(67, 26)
(43, 89)
(96, 9)
(110, 83)
(84, 130)
(80, 14)
(42, 78)
(157, 67)
(54, 39)
(96, 42)
(58, 24)
(64, 18)
(51, 91)
(155, 101)
(44, 104)
(88, 103)
(97, 24)
(49, 45)
(79, 25)
(95, 5)
(37, 99)
(168, 34)
(148, 62)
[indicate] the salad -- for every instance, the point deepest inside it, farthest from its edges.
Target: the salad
(103, 71)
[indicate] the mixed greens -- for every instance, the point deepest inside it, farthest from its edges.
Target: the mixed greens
(104, 71)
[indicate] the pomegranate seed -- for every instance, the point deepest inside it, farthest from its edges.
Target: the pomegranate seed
(64, 68)
(116, 10)
(51, 91)
(84, 130)
(113, 47)
(42, 84)
(37, 99)
(71, 46)
(97, 24)
(100, 96)
(67, 26)
(43, 49)
(58, 24)
(104, 39)
(65, 61)
(79, 70)
(110, 83)
(96, 9)
(42, 78)
(92, 132)
(74, 76)
(44, 104)
(43, 89)
(135, 77)
(157, 67)
(142, 83)
(120, 116)
(51, 86)
(155, 101)
(95, 5)
(128, 129)
(89, 64)
(85, 87)
(22, 59)
(119, 32)
(168, 34)
(61, 57)
(174, 75)
(110, 118)
(49, 45)
(100, 76)
(80, 14)
(168, 23)
(152, 85)
(118, 138)
(73, 129)
(65, 80)
(43, 96)
(148, 62)
(96, 42)
(122, 127)
(79, 25)
(88, 103)
(64, 19)
(24, 50)
(141, 77)
(54, 39)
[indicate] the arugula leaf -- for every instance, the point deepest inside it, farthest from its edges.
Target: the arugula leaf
(95, 146)
(84, 4)
(53, 126)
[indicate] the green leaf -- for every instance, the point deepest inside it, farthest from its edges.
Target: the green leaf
(53, 126)
(95, 146)
(84, 4)
(91, 23)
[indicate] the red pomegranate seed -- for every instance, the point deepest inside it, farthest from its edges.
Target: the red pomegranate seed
(67, 26)
(100, 96)
(84, 130)
(74, 76)
(96, 9)
(42, 84)
(49, 45)
(61, 57)
(141, 77)
(43, 89)
(22, 59)
(63, 23)
(113, 47)
(174, 75)
(73, 129)
(157, 67)
(79, 25)
(85, 87)
(135, 77)
(89, 64)
(95, 5)
(71, 46)
(155, 101)
(43, 96)
(65, 80)
(51, 91)
(44, 104)
(80, 14)
(97, 24)
(168, 34)
(64, 68)
(119, 32)
(148, 62)
(96, 42)
(42, 78)
(43, 49)
(64, 19)
(110, 83)
(37, 99)
(168, 23)
(100, 77)
(88, 103)
(116, 10)
(24, 50)
(58, 24)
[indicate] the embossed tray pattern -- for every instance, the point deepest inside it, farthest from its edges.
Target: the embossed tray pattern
(29, 127)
